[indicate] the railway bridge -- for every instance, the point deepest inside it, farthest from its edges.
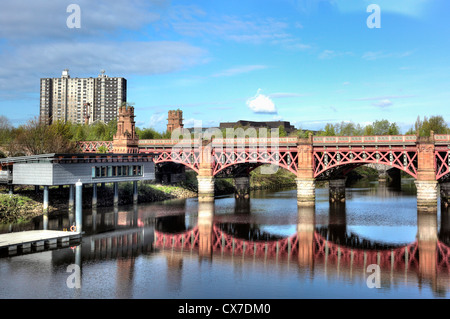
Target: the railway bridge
(426, 159)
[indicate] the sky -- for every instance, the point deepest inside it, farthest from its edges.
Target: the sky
(310, 62)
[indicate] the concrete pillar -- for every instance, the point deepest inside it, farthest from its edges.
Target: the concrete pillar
(205, 176)
(305, 234)
(205, 188)
(79, 206)
(135, 192)
(94, 195)
(306, 185)
(45, 208)
(427, 195)
(382, 174)
(336, 188)
(11, 189)
(445, 193)
(116, 193)
(426, 183)
(71, 197)
(205, 226)
(94, 218)
(242, 187)
(306, 192)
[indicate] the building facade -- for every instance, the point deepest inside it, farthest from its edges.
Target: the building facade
(269, 125)
(81, 100)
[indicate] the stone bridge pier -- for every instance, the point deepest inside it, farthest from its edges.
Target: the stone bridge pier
(205, 175)
(426, 183)
(445, 193)
(336, 189)
(242, 187)
(306, 184)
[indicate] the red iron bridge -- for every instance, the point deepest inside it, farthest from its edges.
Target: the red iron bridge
(426, 159)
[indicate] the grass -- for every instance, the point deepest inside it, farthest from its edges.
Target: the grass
(18, 208)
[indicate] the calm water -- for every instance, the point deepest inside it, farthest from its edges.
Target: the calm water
(263, 248)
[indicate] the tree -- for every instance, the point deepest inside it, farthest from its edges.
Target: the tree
(36, 137)
(281, 131)
(329, 130)
(5, 130)
(384, 127)
(436, 124)
(147, 133)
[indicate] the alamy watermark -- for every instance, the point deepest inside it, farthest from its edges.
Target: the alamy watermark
(74, 19)
(74, 279)
(374, 20)
(374, 279)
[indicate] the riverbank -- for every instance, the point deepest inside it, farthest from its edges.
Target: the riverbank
(26, 203)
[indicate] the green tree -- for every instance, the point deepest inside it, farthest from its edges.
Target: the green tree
(147, 133)
(281, 131)
(384, 127)
(436, 124)
(36, 137)
(329, 130)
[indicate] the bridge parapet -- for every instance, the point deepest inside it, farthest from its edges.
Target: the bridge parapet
(361, 140)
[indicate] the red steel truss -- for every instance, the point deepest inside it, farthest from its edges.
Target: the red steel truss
(93, 146)
(403, 158)
(329, 153)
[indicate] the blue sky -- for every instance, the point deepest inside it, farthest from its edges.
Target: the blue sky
(310, 62)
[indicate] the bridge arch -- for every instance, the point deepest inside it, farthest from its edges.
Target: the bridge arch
(284, 158)
(188, 158)
(326, 159)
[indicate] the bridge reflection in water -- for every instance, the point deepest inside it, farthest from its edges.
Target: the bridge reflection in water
(319, 248)
(331, 250)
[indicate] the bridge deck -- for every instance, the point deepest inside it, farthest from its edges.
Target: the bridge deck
(27, 239)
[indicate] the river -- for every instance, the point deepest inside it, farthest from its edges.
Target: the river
(376, 245)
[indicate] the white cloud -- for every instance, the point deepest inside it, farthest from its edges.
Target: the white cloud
(193, 22)
(261, 104)
(330, 54)
(157, 121)
(371, 55)
(383, 103)
(27, 63)
(285, 95)
(47, 19)
(239, 70)
(387, 97)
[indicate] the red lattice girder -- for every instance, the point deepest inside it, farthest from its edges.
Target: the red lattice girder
(189, 158)
(329, 157)
(93, 146)
(442, 161)
(282, 157)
